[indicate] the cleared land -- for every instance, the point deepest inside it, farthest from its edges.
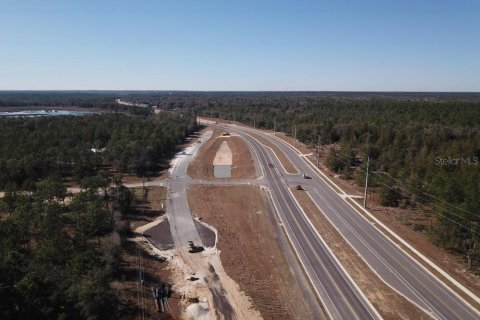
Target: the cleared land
(250, 253)
(156, 272)
(389, 304)
(201, 166)
(224, 155)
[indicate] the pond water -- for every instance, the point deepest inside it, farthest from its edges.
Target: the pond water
(222, 171)
(45, 113)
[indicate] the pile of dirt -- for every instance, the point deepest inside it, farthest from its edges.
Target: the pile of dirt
(224, 155)
(201, 166)
(250, 253)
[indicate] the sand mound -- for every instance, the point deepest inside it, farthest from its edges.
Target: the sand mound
(198, 311)
(223, 156)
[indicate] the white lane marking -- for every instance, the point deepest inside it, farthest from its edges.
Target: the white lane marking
(416, 252)
(369, 247)
(362, 297)
(262, 175)
(274, 153)
(443, 273)
(344, 196)
(300, 260)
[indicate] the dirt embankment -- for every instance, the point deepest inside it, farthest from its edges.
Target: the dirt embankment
(389, 304)
(250, 253)
(201, 166)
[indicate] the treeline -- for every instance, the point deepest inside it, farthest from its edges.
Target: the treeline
(58, 258)
(214, 102)
(32, 149)
(59, 253)
(83, 99)
(424, 152)
(56, 98)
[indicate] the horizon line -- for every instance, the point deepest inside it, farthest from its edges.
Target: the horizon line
(255, 91)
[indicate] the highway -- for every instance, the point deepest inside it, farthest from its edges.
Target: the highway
(340, 296)
(392, 264)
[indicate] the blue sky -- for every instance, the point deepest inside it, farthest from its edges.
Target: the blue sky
(240, 45)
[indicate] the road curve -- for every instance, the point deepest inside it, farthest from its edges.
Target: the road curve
(341, 297)
(390, 262)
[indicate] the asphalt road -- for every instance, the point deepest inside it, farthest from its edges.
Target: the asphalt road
(182, 227)
(341, 298)
(181, 224)
(391, 263)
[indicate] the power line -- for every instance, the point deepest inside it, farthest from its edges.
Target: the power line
(461, 209)
(409, 185)
(426, 200)
(439, 214)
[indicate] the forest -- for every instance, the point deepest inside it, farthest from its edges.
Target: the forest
(59, 252)
(36, 148)
(424, 150)
(58, 257)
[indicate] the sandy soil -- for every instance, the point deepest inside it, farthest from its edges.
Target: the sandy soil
(201, 166)
(389, 304)
(289, 167)
(224, 155)
(149, 205)
(155, 271)
(249, 250)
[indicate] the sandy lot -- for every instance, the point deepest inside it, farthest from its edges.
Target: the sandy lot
(201, 166)
(389, 304)
(249, 250)
(224, 155)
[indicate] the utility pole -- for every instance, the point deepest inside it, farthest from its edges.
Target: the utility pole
(366, 185)
(318, 151)
(295, 136)
(254, 114)
(144, 169)
(274, 126)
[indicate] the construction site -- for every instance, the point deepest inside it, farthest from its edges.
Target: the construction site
(227, 249)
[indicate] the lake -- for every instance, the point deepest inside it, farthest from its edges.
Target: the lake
(45, 113)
